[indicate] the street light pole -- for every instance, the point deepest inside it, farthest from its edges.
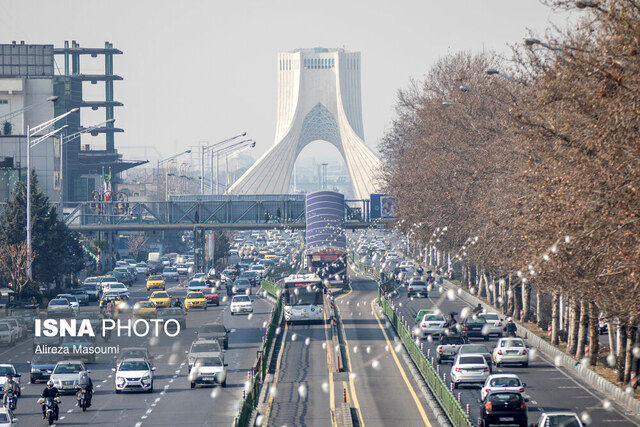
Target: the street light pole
(202, 168)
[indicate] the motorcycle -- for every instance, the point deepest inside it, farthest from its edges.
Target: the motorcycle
(107, 335)
(81, 396)
(51, 409)
(10, 400)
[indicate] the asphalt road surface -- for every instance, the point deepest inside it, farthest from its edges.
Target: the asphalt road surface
(173, 402)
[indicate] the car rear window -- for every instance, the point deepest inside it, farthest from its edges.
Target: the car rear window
(473, 349)
(505, 382)
(505, 397)
(451, 340)
(513, 343)
(491, 316)
(471, 360)
(434, 318)
(562, 421)
(477, 320)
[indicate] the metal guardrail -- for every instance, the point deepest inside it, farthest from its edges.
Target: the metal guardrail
(259, 370)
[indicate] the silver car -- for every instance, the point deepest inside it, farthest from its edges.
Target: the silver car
(204, 348)
(65, 375)
(511, 350)
(469, 369)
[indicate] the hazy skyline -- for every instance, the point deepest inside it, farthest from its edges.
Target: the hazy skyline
(202, 71)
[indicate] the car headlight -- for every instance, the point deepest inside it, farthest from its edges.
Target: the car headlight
(120, 380)
(146, 379)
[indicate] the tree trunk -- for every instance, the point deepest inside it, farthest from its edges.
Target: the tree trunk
(582, 330)
(628, 362)
(481, 284)
(526, 297)
(517, 301)
(539, 308)
(612, 341)
(490, 288)
(554, 318)
(621, 359)
(594, 336)
(572, 336)
(565, 323)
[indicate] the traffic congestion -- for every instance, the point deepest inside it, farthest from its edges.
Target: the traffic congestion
(86, 357)
(496, 375)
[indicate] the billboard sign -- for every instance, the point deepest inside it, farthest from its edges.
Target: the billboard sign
(383, 206)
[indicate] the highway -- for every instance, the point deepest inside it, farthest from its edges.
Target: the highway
(549, 387)
(376, 382)
(172, 402)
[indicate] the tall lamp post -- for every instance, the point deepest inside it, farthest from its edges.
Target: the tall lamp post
(33, 132)
(205, 149)
(233, 149)
(14, 113)
(168, 159)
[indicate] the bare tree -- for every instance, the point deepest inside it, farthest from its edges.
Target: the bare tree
(14, 263)
(135, 243)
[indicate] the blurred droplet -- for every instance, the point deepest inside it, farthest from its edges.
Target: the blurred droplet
(606, 404)
(264, 324)
(215, 392)
(611, 360)
(325, 387)
(352, 376)
(173, 359)
(278, 330)
(386, 348)
(636, 352)
(302, 390)
(375, 365)
(533, 354)
(464, 313)
(273, 391)
(259, 420)
(398, 348)
(153, 341)
(294, 337)
(307, 341)
(451, 295)
(557, 360)
(324, 345)
(368, 349)
(585, 417)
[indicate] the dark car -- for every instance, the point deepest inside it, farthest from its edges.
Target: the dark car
(500, 407)
(174, 313)
(475, 327)
(217, 331)
(252, 276)
(42, 365)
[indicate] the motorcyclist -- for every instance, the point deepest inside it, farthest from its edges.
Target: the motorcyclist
(49, 392)
(430, 278)
(10, 387)
(85, 383)
(510, 327)
(110, 308)
(420, 270)
(177, 303)
(478, 309)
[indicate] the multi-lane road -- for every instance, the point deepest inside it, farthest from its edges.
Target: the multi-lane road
(549, 388)
(173, 402)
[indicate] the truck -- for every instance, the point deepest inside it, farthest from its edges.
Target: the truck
(330, 265)
(153, 262)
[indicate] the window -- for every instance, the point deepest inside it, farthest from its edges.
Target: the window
(4, 101)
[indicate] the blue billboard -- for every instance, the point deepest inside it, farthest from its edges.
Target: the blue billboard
(383, 206)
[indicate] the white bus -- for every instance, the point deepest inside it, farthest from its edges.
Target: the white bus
(303, 298)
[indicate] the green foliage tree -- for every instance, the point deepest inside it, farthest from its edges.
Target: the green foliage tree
(56, 248)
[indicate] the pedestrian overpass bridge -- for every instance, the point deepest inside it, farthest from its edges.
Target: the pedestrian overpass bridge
(239, 212)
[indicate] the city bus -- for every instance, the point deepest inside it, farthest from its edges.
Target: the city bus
(303, 298)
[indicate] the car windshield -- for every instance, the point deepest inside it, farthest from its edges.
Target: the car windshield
(203, 347)
(241, 298)
(58, 302)
(146, 304)
(562, 421)
(160, 295)
(68, 368)
(512, 343)
(471, 360)
(213, 328)
(208, 291)
(155, 277)
(505, 382)
(209, 361)
(195, 295)
(117, 286)
(4, 418)
(5, 370)
(140, 265)
(4, 327)
(169, 270)
(243, 282)
(505, 397)
(476, 321)
(132, 354)
(134, 366)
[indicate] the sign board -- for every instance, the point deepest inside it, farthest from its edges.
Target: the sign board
(383, 206)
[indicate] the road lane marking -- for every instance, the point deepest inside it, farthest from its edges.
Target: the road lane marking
(277, 372)
(401, 369)
(332, 405)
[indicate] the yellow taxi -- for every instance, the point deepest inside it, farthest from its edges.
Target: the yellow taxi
(155, 282)
(144, 309)
(195, 300)
(109, 297)
(160, 299)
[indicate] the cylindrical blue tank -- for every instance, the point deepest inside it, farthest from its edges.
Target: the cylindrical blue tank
(325, 221)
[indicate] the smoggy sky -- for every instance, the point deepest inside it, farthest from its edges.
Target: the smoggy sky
(203, 70)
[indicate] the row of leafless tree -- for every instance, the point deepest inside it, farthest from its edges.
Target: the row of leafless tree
(533, 166)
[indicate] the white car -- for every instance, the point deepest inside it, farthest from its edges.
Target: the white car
(433, 324)
(6, 418)
(469, 369)
(117, 288)
(240, 304)
(16, 328)
(564, 419)
(73, 301)
(511, 350)
(65, 375)
(199, 277)
(502, 382)
(8, 369)
(494, 322)
(142, 268)
(134, 375)
(259, 268)
(208, 370)
(6, 334)
(170, 273)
